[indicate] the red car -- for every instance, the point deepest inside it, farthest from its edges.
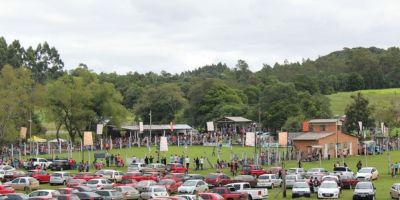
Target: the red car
(136, 176)
(41, 175)
(67, 190)
(218, 179)
(178, 177)
(229, 195)
(126, 182)
(154, 176)
(176, 168)
(211, 196)
(253, 170)
(76, 182)
(348, 181)
(170, 184)
(85, 176)
(4, 189)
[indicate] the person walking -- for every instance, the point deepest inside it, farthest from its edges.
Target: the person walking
(187, 161)
(359, 165)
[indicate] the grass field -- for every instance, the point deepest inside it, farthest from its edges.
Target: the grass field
(381, 97)
(379, 161)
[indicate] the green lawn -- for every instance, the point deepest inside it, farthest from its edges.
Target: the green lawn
(379, 161)
(381, 97)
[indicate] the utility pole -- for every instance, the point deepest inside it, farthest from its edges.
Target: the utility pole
(149, 141)
(283, 180)
(30, 132)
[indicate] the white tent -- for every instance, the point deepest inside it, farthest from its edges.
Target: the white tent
(55, 140)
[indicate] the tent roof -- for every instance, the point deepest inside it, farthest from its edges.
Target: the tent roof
(158, 127)
(55, 140)
(323, 121)
(313, 135)
(36, 139)
(233, 120)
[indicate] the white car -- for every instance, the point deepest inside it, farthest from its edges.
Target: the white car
(136, 167)
(192, 186)
(128, 192)
(99, 184)
(290, 180)
(301, 189)
(38, 162)
(6, 170)
(142, 185)
(328, 190)
(45, 193)
(153, 192)
(298, 171)
(367, 173)
(59, 178)
(269, 181)
(190, 197)
(112, 175)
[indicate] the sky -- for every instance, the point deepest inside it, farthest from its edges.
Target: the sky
(179, 35)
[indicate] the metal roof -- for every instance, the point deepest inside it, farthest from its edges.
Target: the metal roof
(313, 135)
(146, 127)
(323, 121)
(234, 119)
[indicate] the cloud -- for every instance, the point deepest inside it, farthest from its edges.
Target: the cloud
(178, 35)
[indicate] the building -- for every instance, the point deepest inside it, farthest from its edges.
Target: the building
(325, 137)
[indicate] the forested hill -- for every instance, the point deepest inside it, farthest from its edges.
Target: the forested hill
(281, 96)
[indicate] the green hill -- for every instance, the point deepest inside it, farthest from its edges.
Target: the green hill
(340, 100)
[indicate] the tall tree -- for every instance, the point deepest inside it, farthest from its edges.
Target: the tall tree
(358, 110)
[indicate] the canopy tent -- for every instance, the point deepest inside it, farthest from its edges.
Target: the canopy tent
(36, 139)
(55, 140)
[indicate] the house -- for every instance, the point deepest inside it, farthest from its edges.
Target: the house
(325, 137)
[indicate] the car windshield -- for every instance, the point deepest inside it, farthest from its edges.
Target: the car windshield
(93, 181)
(246, 168)
(365, 185)
(339, 169)
(263, 177)
(314, 170)
(189, 183)
(290, 177)
(300, 185)
(292, 171)
(160, 189)
(165, 182)
(328, 185)
(56, 175)
(365, 170)
(211, 176)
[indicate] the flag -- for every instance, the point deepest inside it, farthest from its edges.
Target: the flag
(360, 125)
(141, 127)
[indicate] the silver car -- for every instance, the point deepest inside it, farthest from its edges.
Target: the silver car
(269, 181)
(99, 184)
(153, 192)
(128, 192)
(143, 185)
(110, 194)
(59, 178)
(290, 180)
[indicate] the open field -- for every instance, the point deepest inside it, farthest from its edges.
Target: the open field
(379, 161)
(381, 97)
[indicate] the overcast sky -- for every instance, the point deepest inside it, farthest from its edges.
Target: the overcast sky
(179, 35)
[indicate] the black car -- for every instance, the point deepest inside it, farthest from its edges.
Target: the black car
(88, 196)
(364, 190)
(60, 165)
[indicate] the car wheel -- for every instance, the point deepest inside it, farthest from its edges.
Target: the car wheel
(250, 198)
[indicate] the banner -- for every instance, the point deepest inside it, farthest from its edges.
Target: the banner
(141, 127)
(99, 129)
(283, 138)
(360, 126)
(210, 126)
(250, 138)
(87, 138)
(163, 144)
(22, 133)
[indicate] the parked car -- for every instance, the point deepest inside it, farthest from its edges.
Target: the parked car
(60, 165)
(68, 197)
(128, 192)
(35, 162)
(126, 182)
(228, 194)
(331, 178)
(85, 176)
(316, 172)
(40, 175)
(348, 182)
(76, 182)
(253, 170)
(24, 183)
(113, 175)
(297, 171)
(88, 196)
(155, 167)
(154, 191)
(342, 171)
(142, 185)
(170, 184)
(11, 175)
(5, 189)
(155, 176)
(110, 194)
(17, 196)
(367, 173)
(217, 179)
(59, 178)
(46, 194)
(211, 196)
(99, 184)
(190, 197)
(132, 176)
(395, 191)
(301, 189)
(175, 168)
(178, 177)
(245, 178)
(274, 170)
(84, 188)
(290, 180)
(269, 181)
(136, 167)
(364, 190)
(67, 190)
(192, 186)
(328, 190)
(256, 193)
(193, 177)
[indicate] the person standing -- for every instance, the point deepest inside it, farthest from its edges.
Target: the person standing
(146, 160)
(359, 165)
(197, 163)
(187, 161)
(151, 159)
(112, 159)
(201, 162)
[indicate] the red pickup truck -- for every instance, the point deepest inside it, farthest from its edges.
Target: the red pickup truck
(217, 179)
(230, 195)
(253, 170)
(176, 168)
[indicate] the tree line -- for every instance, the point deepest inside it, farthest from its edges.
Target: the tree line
(34, 85)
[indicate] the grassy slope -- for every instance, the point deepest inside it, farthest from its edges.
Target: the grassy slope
(340, 100)
(380, 161)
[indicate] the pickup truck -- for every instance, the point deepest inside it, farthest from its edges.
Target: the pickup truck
(228, 194)
(245, 187)
(253, 170)
(35, 162)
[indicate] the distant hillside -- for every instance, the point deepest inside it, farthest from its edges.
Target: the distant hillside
(340, 100)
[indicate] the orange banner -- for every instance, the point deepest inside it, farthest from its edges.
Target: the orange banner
(283, 138)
